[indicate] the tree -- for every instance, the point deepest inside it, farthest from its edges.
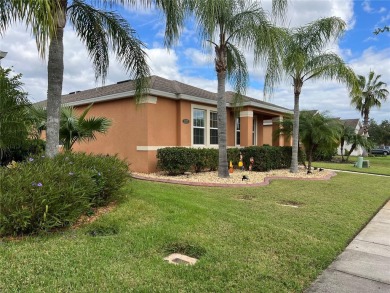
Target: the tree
(346, 133)
(303, 60)
(73, 128)
(357, 140)
(230, 26)
(379, 133)
(14, 118)
(372, 93)
(316, 131)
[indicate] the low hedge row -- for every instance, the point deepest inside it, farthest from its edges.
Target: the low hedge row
(177, 160)
(42, 194)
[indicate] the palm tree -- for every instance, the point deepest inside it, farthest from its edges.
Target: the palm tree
(99, 30)
(347, 132)
(303, 60)
(372, 93)
(318, 131)
(357, 140)
(73, 128)
(230, 26)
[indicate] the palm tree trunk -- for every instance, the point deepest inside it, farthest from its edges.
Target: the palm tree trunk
(223, 171)
(342, 149)
(294, 157)
(55, 71)
(353, 146)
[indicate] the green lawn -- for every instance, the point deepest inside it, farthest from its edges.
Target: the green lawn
(378, 165)
(246, 241)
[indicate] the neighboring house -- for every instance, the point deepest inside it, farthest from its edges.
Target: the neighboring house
(358, 128)
(172, 114)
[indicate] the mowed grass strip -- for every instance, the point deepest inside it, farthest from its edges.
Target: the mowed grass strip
(378, 165)
(247, 239)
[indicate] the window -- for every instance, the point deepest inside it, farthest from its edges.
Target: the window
(238, 131)
(213, 128)
(254, 131)
(199, 126)
(204, 126)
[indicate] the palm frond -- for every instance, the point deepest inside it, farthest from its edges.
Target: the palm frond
(100, 30)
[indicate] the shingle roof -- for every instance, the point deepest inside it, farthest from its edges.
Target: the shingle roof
(350, 122)
(156, 83)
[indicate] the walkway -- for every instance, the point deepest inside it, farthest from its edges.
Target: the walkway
(364, 266)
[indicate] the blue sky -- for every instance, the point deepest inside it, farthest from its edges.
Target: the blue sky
(189, 62)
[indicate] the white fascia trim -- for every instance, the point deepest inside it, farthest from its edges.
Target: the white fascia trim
(268, 107)
(246, 114)
(147, 148)
(102, 98)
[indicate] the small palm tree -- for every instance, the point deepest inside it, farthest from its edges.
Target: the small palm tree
(230, 26)
(346, 133)
(303, 60)
(357, 140)
(318, 130)
(73, 128)
(372, 93)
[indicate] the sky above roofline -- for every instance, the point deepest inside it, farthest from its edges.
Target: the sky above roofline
(190, 62)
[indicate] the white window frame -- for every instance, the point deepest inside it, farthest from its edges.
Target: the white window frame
(236, 131)
(207, 126)
(254, 131)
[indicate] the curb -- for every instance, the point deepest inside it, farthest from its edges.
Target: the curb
(267, 181)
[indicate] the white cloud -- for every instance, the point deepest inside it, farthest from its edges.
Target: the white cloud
(367, 6)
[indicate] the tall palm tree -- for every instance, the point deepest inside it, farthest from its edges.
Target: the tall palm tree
(230, 26)
(99, 30)
(372, 93)
(304, 59)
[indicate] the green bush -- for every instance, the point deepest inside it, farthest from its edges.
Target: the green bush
(43, 194)
(175, 160)
(29, 147)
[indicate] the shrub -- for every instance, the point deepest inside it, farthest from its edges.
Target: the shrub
(42, 194)
(29, 148)
(265, 158)
(175, 160)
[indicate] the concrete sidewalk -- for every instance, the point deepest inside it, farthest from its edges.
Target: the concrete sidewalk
(364, 266)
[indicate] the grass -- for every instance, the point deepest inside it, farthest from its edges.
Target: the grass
(246, 240)
(378, 165)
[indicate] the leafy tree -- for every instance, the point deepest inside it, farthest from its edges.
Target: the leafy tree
(73, 128)
(230, 26)
(372, 93)
(379, 133)
(14, 118)
(304, 59)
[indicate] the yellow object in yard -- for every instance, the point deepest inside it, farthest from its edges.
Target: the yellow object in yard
(240, 164)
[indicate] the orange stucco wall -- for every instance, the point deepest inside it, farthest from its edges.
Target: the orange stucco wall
(137, 131)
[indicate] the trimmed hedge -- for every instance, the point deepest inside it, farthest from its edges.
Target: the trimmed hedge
(42, 194)
(177, 160)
